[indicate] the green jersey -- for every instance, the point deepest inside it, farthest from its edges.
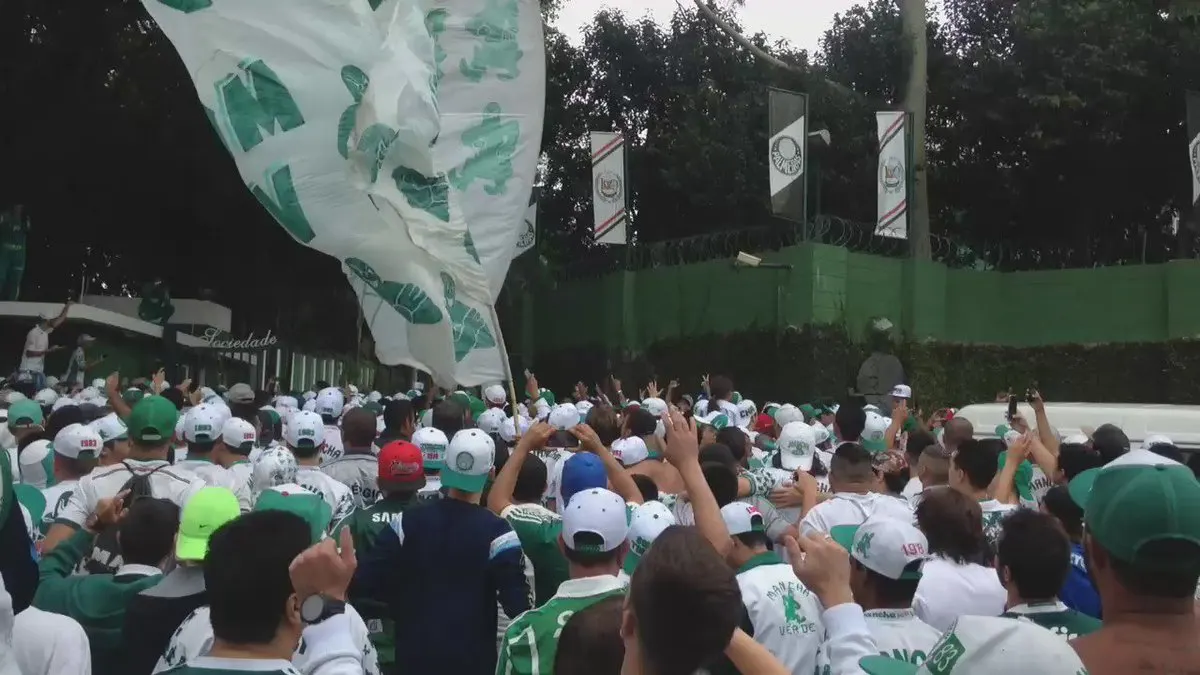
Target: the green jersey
(365, 525)
(1056, 617)
(531, 641)
(538, 529)
(208, 665)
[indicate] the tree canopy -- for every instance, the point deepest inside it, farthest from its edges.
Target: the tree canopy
(1056, 137)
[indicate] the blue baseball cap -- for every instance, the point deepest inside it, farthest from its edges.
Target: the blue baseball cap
(582, 471)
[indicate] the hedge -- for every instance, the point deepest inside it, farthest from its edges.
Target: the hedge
(822, 361)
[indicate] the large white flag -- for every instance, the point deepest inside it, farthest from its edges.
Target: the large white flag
(401, 139)
(892, 201)
(609, 196)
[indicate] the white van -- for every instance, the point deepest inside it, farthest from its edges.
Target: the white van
(1180, 423)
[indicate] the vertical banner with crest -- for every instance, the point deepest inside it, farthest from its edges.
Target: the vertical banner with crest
(892, 220)
(608, 187)
(786, 153)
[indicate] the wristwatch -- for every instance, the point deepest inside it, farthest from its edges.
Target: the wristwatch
(316, 608)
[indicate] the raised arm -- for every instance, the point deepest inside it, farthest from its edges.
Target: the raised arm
(500, 496)
(62, 316)
(683, 452)
(622, 482)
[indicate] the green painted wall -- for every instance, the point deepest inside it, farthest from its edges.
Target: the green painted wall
(828, 284)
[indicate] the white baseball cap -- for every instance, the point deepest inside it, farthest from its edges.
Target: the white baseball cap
(655, 405)
(747, 411)
(508, 428)
(820, 432)
(902, 391)
(742, 518)
(715, 419)
(202, 424)
(375, 397)
(630, 451)
(427, 418)
(239, 435)
(988, 645)
(63, 402)
(649, 520)
(564, 416)
(75, 440)
(599, 512)
(99, 382)
(884, 545)
(541, 409)
(309, 395)
(797, 446)
(875, 432)
(1150, 441)
(13, 397)
(700, 407)
(490, 420)
(788, 413)
(432, 443)
(495, 394)
(330, 402)
(469, 460)
(111, 427)
(305, 430)
(46, 397)
(51, 381)
(37, 464)
(89, 392)
(274, 466)
(584, 407)
(286, 403)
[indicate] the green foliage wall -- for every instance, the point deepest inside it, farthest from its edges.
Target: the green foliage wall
(822, 361)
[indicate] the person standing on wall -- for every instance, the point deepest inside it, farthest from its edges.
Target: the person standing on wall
(14, 229)
(78, 366)
(37, 345)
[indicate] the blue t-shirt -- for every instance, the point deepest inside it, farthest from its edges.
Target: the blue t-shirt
(1078, 593)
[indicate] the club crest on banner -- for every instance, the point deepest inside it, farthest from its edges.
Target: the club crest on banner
(787, 156)
(891, 175)
(608, 186)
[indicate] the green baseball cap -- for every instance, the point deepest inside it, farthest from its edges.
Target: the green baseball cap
(1137, 499)
(735, 398)
(298, 501)
(476, 406)
(132, 395)
(547, 396)
(207, 510)
(715, 419)
(809, 411)
(152, 420)
(372, 407)
(25, 414)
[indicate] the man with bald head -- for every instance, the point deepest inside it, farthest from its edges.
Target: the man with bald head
(955, 432)
(357, 468)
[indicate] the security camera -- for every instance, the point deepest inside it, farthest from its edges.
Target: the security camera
(747, 260)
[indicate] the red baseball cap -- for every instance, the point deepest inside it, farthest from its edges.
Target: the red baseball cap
(401, 462)
(765, 424)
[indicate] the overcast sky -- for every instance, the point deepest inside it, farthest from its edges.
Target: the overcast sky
(800, 21)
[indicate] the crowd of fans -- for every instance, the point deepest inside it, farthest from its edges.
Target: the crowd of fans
(155, 528)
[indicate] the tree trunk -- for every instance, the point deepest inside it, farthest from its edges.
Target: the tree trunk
(912, 13)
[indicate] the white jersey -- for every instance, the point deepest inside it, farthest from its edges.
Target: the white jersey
(847, 508)
(948, 590)
(218, 476)
(786, 616)
(360, 473)
(194, 639)
(337, 495)
(778, 478)
(36, 340)
(166, 482)
(432, 490)
(50, 644)
(333, 444)
(912, 490)
(57, 497)
(897, 633)
(241, 471)
(1039, 484)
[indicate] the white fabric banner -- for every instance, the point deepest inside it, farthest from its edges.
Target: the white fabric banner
(892, 202)
(1194, 161)
(528, 237)
(401, 139)
(609, 195)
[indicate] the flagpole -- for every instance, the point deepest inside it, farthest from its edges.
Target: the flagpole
(507, 368)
